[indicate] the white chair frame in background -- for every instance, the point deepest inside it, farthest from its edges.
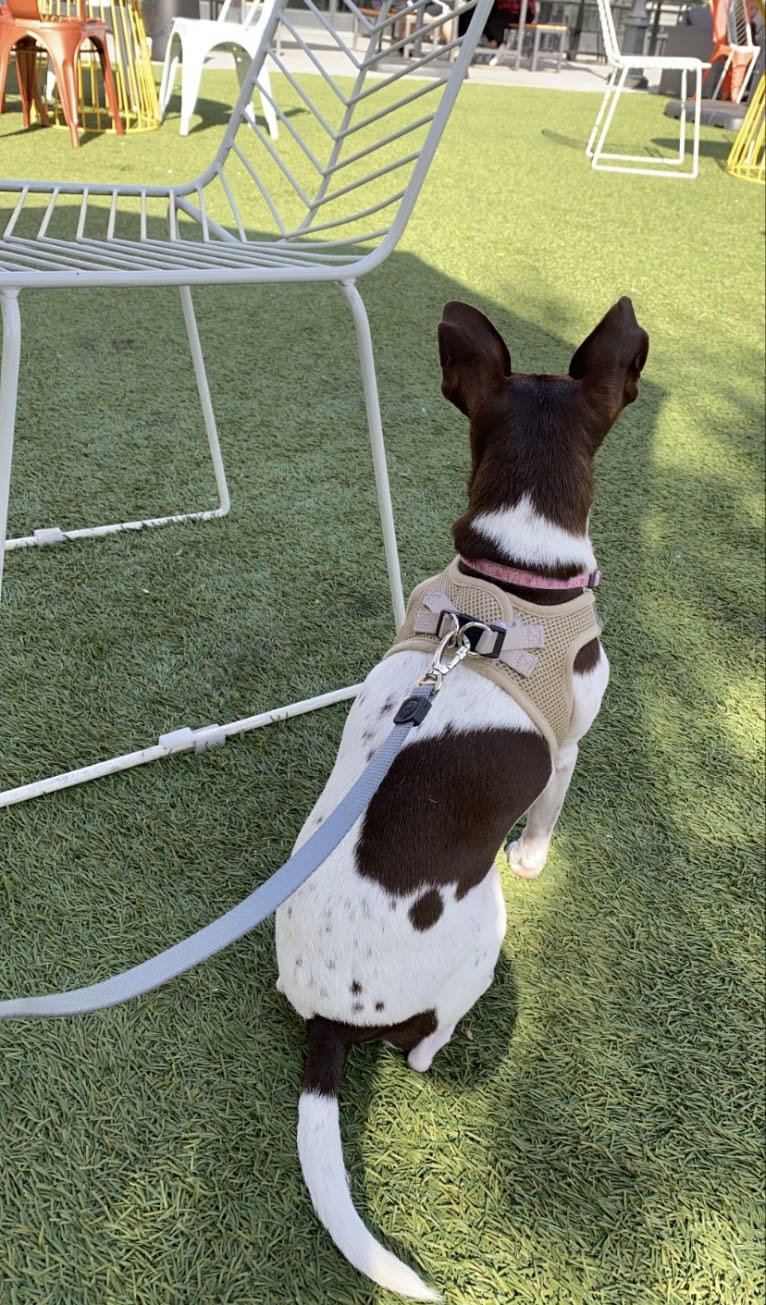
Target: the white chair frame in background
(620, 67)
(337, 204)
(190, 43)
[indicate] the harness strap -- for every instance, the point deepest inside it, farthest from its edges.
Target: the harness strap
(499, 641)
(255, 908)
(526, 648)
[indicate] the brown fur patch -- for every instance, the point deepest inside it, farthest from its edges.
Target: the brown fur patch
(426, 910)
(445, 807)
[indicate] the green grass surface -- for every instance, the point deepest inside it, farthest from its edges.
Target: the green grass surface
(594, 1132)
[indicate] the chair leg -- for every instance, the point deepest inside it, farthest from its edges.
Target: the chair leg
(563, 43)
(29, 90)
(169, 70)
(615, 91)
(9, 389)
(25, 76)
(375, 427)
(110, 90)
(682, 118)
(54, 535)
(208, 415)
(191, 76)
(697, 123)
(535, 50)
(66, 80)
(590, 148)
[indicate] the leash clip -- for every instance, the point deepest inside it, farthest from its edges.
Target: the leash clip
(440, 666)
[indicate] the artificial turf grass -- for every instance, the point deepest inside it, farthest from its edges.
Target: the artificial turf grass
(598, 1136)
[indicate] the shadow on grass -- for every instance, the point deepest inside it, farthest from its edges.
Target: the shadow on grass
(217, 113)
(656, 146)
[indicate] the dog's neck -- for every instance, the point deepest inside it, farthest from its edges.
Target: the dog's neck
(514, 575)
(520, 539)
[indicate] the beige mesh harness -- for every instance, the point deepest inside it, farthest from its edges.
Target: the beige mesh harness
(539, 644)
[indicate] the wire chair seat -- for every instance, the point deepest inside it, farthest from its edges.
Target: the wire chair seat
(326, 201)
(34, 262)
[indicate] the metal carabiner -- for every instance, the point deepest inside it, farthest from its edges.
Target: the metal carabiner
(440, 667)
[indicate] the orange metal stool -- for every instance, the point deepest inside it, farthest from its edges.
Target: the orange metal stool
(62, 39)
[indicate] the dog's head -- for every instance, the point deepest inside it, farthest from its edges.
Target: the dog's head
(533, 434)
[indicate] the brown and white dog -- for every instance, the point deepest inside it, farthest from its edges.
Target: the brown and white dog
(397, 934)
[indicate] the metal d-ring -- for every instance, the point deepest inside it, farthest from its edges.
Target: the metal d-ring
(440, 667)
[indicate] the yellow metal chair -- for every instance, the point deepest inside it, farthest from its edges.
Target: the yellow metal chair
(746, 159)
(131, 65)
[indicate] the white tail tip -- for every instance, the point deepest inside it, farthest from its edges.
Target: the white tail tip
(319, 1148)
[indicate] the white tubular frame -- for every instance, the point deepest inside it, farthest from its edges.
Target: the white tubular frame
(620, 66)
(54, 535)
(334, 217)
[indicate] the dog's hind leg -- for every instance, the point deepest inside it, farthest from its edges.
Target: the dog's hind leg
(472, 983)
(482, 915)
(421, 1056)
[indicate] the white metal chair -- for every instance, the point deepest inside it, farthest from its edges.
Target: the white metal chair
(192, 41)
(620, 66)
(327, 203)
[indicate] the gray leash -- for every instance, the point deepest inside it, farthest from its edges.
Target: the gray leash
(261, 903)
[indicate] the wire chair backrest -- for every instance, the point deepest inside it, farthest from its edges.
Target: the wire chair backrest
(355, 141)
(329, 198)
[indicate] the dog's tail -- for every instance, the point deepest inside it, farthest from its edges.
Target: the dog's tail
(321, 1156)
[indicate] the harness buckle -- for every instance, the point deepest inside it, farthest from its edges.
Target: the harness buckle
(461, 640)
(474, 631)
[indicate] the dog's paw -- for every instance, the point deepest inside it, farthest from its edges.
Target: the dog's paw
(525, 861)
(420, 1059)
(421, 1056)
(280, 987)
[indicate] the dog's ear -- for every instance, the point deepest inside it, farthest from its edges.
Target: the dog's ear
(610, 361)
(474, 358)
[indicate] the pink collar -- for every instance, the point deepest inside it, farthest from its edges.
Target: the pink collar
(511, 575)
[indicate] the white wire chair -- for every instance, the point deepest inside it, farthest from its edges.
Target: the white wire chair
(190, 43)
(327, 202)
(620, 66)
